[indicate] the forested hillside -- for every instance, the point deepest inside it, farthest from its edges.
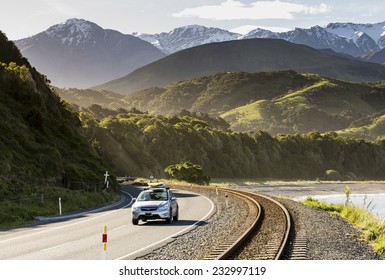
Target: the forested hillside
(42, 148)
(139, 145)
(276, 102)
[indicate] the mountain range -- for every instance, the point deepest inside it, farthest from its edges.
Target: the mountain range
(79, 53)
(348, 38)
(252, 55)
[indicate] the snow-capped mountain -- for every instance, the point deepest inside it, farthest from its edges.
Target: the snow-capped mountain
(260, 33)
(355, 31)
(79, 53)
(347, 38)
(315, 37)
(187, 37)
(75, 32)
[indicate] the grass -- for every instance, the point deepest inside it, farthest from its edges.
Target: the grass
(21, 211)
(249, 112)
(372, 227)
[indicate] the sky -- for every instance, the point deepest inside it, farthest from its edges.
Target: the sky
(23, 18)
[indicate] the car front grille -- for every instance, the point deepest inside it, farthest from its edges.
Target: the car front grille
(149, 208)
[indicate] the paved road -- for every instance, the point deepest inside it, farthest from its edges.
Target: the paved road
(81, 238)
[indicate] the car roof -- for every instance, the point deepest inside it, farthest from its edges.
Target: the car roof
(155, 190)
(157, 185)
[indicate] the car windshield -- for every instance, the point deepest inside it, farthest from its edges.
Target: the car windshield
(148, 196)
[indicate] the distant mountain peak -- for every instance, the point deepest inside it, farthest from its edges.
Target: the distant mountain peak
(80, 53)
(80, 24)
(76, 21)
(187, 36)
(347, 38)
(73, 31)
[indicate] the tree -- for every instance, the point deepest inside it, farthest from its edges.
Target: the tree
(187, 171)
(332, 174)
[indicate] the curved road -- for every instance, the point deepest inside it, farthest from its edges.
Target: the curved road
(81, 238)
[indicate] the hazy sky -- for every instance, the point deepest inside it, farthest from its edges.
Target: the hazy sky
(24, 18)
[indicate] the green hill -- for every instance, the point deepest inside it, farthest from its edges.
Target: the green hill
(277, 102)
(326, 105)
(43, 152)
(86, 97)
(371, 127)
(216, 94)
(252, 55)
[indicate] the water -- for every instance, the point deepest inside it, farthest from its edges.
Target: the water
(374, 203)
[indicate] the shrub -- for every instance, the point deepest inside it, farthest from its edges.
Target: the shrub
(187, 171)
(333, 175)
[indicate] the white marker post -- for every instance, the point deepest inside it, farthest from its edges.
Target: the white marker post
(60, 206)
(106, 182)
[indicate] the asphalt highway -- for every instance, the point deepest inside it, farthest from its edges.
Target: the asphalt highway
(80, 237)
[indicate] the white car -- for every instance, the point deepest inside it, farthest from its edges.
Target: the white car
(155, 203)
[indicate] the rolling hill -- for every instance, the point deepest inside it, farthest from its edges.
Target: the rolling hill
(277, 102)
(252, 55)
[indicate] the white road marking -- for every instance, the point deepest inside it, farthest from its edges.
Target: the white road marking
(69, 225)
(55, 247)
(119, 228)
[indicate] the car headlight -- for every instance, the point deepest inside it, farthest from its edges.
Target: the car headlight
(134, 208)
(163, 207)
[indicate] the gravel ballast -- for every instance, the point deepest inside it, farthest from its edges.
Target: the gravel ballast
(197, 243)
(327, 237)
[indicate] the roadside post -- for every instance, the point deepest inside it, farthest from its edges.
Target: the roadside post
(60, 206)
(106, 182)
(104, 241)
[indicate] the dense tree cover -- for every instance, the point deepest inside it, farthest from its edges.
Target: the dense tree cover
(141, 144)
(42, 148)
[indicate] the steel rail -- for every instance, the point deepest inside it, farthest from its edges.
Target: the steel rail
(226, 249)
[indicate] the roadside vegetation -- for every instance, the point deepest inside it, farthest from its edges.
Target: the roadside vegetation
(43, 152)
(372, 227)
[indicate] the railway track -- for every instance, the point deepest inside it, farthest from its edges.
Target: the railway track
(269, 239)
(263, 235)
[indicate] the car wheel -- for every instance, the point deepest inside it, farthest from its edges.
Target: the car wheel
(135, 221)
(169, 220)
(176, 217)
